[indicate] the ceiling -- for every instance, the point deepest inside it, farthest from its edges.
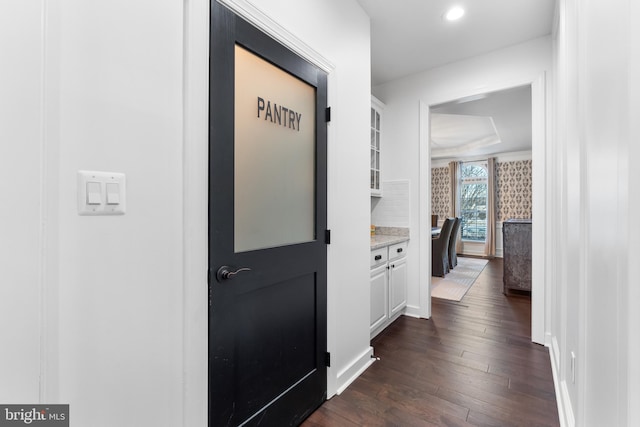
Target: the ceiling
(409, 36)
(460, 127)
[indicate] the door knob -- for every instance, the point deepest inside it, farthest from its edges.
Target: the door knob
(225, 272)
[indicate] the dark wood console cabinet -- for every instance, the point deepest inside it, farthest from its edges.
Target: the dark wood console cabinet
(516, 240)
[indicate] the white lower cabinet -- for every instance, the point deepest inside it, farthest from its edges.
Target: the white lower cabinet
(379, 296)
(397, 285)
(388, 285)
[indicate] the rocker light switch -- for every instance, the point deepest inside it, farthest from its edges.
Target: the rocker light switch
(94, 193)
(113, 193)
(101, 193)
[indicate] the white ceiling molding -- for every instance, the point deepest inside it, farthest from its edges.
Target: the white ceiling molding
(510, 110)
(454, 134)
(265, 23)
(514, 156)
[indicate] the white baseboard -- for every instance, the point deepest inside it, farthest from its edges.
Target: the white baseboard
(354, 369)
(565, 410)
(412, 311)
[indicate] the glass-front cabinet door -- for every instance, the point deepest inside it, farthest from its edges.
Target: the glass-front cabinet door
(376, 115)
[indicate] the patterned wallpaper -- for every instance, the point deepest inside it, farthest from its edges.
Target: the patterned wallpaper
(513, 190)
(440, 193)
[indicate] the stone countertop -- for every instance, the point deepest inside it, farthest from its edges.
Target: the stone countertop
(381, 240)
(387, 236)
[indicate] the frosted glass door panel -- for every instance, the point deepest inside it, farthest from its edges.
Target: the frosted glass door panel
(274, 156)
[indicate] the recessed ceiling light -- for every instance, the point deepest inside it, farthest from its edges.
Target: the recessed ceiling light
(454, 13)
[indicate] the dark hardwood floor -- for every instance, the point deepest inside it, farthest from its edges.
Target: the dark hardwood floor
(471, 364)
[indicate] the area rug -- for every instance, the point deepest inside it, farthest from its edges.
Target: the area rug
(458, 281)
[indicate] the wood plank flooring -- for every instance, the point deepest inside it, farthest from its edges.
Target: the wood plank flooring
(471, 364)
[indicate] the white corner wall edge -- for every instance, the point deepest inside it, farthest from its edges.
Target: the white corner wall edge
(195, 217)
(565, 410)
(424, 212)
(539, 246)
(353, 370)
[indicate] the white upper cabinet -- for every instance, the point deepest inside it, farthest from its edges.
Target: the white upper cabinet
(376, 135)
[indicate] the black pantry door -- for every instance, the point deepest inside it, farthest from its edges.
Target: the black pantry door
(267, 221)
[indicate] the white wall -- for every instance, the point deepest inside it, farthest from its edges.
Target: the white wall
(633, 297)
(108, 314)
(392, 210)
(120, 328)
(514, 66)
(595, 282)
(22, 239)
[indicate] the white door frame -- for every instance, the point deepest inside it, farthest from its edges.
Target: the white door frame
(539, 321)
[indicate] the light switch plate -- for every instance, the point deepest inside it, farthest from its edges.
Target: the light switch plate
(105, 207)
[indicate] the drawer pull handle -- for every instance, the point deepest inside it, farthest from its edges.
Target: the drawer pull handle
(399, 250)
(378, 257)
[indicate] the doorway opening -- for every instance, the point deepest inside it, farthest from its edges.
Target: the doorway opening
(482, 148)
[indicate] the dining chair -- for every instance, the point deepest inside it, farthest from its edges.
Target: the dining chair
(440, 249)
(453, 256)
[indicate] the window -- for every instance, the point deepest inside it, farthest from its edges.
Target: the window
(473, 201)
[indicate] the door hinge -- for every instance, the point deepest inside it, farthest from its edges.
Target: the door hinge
(327, 237)
(327, 114)
(327, 359)
(209, 284)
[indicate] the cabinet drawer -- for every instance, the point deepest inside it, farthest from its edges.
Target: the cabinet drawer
(378, 256)
(398, 250)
